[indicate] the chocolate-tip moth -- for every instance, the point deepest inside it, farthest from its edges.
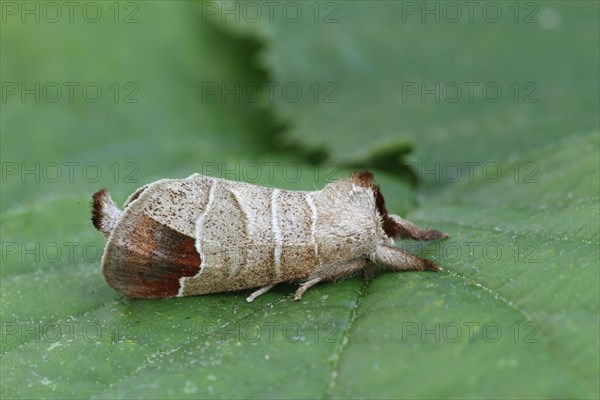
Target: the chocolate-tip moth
(200, 235)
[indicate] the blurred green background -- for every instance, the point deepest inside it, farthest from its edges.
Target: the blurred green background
(478, 119)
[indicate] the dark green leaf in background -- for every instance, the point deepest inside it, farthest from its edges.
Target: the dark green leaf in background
(504, 78)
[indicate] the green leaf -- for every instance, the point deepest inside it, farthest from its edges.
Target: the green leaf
(514, 313)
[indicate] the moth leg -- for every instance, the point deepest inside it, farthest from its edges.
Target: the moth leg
(258, 292)
(305, 286)
(400, 260)
(331, 272)
(408, 230)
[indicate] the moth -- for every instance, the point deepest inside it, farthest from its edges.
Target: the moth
(200, 235)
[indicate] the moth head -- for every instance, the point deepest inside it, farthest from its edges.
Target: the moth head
(388, 222)
(393, 226)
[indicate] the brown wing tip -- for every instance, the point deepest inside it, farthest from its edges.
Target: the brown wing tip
(105, 212)
(150, 260)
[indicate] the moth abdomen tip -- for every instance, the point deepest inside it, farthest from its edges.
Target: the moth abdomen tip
(97, 208)
(105, 212)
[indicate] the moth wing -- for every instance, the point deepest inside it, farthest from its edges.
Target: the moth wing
(152, 247)
(235, 239)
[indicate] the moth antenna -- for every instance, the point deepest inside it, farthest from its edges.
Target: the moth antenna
(105, 213)
(407, 230)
